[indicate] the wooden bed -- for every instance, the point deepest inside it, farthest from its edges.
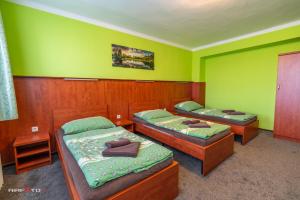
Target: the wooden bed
(247, 132)
(211, 155)
(161, 185)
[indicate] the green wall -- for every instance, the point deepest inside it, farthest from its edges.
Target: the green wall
(43, 44)
(239, 75)
(246, 80)
(242, 75)
(198, 69)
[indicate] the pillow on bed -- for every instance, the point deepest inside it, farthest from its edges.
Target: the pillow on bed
(153, 114)
(188, 106)
(87, 124)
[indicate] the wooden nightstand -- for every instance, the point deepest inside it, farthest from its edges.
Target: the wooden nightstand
(32, 151)
(125, 123)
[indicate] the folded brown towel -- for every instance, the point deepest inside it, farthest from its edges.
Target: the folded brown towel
(129, 150)
(228, 111)
(118, 143)
(187, 122)
(199, 125)
(236, 113)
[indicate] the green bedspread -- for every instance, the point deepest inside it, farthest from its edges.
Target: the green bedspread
(86, 148)
(175, 123)
(219, 113)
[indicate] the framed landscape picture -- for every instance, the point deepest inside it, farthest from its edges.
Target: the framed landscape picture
(132, 58)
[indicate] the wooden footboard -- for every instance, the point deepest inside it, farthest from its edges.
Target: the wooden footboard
(217, 153)
(161, 185)
(248, 132)
(211, 155)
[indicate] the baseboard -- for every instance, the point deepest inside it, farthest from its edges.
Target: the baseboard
(286, 138)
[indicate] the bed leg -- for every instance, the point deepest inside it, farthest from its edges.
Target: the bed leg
(215, 154)
(250, 132)
(247, 137)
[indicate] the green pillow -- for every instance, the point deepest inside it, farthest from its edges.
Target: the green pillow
(87, 124)
(188, 106)
(153, 114)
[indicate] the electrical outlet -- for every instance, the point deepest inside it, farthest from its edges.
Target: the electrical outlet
(119, 116)
(34, 129)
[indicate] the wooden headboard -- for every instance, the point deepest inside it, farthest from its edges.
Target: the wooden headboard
(138, 107)
(62, 116)
(178, 100)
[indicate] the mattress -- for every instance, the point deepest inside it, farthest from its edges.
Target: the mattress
(195, 140)
(216, 119)
(109, 188)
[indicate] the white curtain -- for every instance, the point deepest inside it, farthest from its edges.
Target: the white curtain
(8, 106)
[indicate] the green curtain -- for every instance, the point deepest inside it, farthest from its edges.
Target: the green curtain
(8, 106)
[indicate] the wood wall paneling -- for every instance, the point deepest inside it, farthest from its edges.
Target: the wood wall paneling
(198, 93)
(118, 94)
(39, 98)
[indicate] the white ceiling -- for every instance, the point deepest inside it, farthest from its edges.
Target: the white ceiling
(188, 23)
